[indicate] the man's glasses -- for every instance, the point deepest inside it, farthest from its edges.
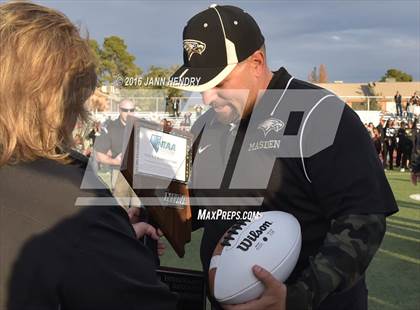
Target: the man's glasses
(127, 110)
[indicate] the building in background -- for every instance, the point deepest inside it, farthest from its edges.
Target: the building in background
(374, 95)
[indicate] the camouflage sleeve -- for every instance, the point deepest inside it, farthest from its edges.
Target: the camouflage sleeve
(342, 260)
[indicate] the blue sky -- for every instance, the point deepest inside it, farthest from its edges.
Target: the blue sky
(356, 40)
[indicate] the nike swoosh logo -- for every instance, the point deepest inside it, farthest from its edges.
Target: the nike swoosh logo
(202, 149)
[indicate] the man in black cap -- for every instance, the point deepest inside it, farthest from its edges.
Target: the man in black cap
(273, 142)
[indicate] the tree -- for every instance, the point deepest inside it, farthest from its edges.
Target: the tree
(117, 61)
(98, 55)
(95, 48)
(313, 76)
(165, 74)
(114, 60)
(323, 75)
(155, 72)
(398, 75)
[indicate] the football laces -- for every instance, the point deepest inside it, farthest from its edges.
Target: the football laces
(233, 231)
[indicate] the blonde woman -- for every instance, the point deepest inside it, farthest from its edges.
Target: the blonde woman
(54, 255)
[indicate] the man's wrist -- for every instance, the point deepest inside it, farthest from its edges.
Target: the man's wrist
(298, 297)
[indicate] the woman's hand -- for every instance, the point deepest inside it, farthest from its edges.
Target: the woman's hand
(144, 229)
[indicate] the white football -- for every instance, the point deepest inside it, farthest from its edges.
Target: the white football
(271, 241)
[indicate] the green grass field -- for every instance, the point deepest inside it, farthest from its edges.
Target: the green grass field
(394, 275)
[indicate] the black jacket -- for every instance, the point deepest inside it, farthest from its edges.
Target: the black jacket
(60, 256)
(416, 150)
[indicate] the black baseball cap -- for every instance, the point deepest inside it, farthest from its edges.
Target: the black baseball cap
(214, 42)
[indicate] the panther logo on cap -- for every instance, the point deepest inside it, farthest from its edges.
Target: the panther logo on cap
(271, 124)
(194, 47)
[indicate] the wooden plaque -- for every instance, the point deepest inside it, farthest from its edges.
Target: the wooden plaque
(157, 166)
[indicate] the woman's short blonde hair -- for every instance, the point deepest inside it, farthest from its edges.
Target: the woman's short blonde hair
(47, 73)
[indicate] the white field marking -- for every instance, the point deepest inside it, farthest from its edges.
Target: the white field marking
(401, 257)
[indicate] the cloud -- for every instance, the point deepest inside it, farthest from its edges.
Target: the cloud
(357, 40)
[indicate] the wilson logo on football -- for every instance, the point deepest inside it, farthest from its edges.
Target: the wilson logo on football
(253, 236)
(231, 280)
